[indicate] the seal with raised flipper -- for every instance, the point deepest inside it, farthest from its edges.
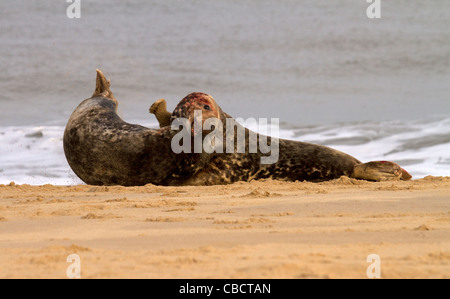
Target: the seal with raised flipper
(297, 160)
(103, 149)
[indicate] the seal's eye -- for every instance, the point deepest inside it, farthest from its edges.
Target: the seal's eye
(206, 107)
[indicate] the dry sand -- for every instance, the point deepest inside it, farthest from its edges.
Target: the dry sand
(262, 229)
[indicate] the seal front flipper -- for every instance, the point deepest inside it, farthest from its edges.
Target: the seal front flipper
(380, 171)
(159, 109)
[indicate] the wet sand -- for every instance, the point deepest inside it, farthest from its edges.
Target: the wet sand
(262, 229)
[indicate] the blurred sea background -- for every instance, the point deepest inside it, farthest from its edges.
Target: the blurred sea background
(378, 89)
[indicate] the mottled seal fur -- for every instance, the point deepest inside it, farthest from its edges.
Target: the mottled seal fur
(102, 149)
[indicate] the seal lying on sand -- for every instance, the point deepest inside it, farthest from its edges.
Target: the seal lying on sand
(102, 149)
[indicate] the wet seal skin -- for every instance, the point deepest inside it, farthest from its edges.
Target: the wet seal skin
(102, 149)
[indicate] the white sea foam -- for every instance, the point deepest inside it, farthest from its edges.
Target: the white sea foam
(35, 155)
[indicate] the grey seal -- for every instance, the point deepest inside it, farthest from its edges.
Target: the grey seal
(297, 160)
(102, 149)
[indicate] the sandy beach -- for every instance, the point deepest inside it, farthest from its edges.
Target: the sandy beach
(261, 229)
(366, 79)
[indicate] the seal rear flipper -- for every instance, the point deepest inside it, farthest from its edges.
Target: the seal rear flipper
(380, 171)
(405, 175)
(102, 88)
(159, 109)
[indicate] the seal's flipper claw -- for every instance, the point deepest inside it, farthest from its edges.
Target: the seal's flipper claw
(378, 171)
(159, 109)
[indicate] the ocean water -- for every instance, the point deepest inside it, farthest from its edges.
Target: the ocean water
(377, 89)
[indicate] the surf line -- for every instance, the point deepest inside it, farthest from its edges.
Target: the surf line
(214, 141)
